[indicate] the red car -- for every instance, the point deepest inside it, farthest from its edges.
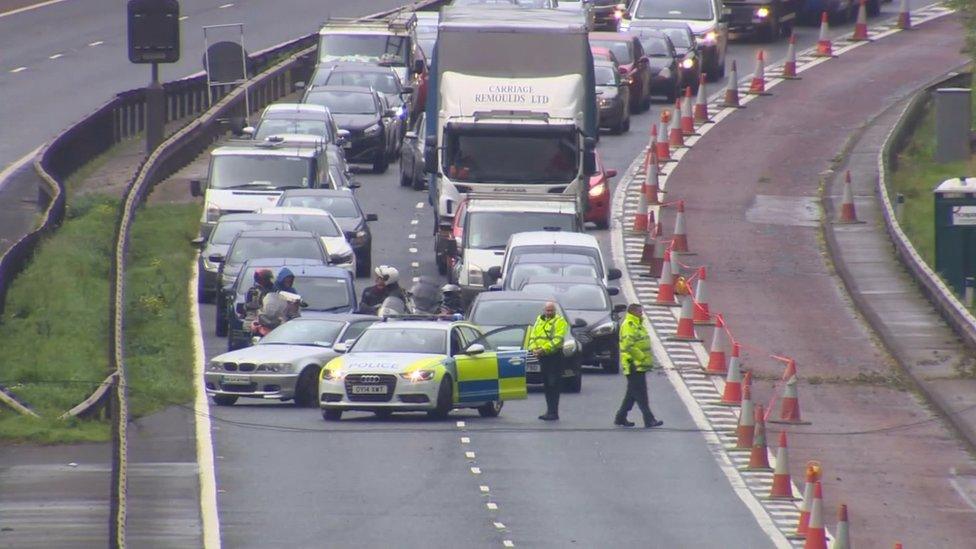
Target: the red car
(599, 195)
(634, 64)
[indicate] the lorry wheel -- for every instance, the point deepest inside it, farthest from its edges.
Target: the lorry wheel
(445, 400)
(331, 415)
(491, 409)
(224, 400)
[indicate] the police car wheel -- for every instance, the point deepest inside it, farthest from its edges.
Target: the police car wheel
(491, 409)
(445, 399)
(332, 415)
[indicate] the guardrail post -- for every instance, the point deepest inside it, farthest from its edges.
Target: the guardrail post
(155, 111)
(899, 206)
(968, 294)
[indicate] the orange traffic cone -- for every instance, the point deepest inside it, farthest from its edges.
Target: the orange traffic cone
(701, 102)
(782, 487)
(842, 538)
(686, 324)
(758, 84)
(652, 179)
(813, 472)
(904, 16)
(861, 26)
(746, 428)
(790, 408)
(640, 217)
(732, 90)
(663, 148)
(824, 47)
(848, 214)
(679, 244)
(702, 315)
(732, 394)
(789, 66)
(687, 114)
(665, 286)
(816, 534)
(716, 354)
(650, 251)
(653, 257)
(676, 137)
(759, 456)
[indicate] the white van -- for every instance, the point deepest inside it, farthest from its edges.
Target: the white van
(550, 253)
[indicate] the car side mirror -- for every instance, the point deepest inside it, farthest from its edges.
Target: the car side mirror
(410, 135)
(474, 349)
(622, 70)
(341, 347)
(495, 288)
(494, 272)
(613, 291)
(342, 136)
(619, 308)
(430, 154)
(300, 85)
(614, 274)
(419, 65)
(196, 188)
(589, 156)
(372, 217)
(611, 173)
(579, 323)
(216, 258)
(198, 242)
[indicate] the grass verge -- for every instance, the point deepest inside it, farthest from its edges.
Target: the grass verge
(54, 332)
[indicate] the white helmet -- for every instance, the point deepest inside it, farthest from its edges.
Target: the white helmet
(450, 288)
(387, 273)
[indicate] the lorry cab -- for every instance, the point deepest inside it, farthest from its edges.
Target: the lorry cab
(391, 42)
(245, 176)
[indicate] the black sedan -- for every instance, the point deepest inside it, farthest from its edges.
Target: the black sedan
(365, 75)
(412, 155)
(344, 207)
(613, 97)
(363, 113)
(685, 45)
(665, 69)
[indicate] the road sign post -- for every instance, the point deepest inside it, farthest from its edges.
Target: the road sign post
(154, 38)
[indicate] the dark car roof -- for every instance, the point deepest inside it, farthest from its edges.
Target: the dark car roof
(251, 217)
(357, 89)
(319, 192)
(562, 280)
(276, 234)
(509, 295)
(655, 24)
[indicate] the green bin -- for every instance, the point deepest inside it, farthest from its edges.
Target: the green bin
(955, 231)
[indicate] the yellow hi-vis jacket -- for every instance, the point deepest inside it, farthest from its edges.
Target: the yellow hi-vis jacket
(548, 334)
(635, 346)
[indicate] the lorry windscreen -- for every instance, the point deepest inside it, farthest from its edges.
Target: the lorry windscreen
(490, 230)
(503, 157)
(383, 48)
(278, 172)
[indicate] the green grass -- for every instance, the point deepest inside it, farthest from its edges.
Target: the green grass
(54, 332)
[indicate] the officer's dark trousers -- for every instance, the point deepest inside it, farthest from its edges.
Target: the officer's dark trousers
(636, 392)
(552, 374)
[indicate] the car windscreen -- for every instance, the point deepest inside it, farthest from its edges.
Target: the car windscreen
(225, 231)
(324, 293)
(402, 340)
(260, 171)
(369, 48)
(562, 254)
(605, 75)
(698, 10)
(343, 102)
(338, 206)
(505, 158)
(620, 48)
(575, 297)
(490, 230)
(655, 46)
(304, 332)
(259, 247)
(524, 271)
(384, 82)
(679, 37)
(282, 126)
(318, 224)
(506, 313)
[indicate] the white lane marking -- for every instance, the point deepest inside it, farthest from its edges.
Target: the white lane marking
(465, 440)
(415, 264)
(201, 410)
(413, 250)
(484, 489)
(29, 8)
(469, 455)
(414, 221)
(420, 205)
(508, 543)
(491, 506)
(500, 526)
(412, 236)
(959, 489)
(18, 69)
(225, 6)
(184, 17)
(476, 470)
(96, 43)
(55, 56)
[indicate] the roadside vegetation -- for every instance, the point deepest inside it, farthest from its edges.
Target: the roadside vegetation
(54, 330)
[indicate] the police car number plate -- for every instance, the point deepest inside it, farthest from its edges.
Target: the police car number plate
(369, 389)
(237, 380)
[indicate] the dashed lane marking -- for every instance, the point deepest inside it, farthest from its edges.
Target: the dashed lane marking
(96, 43)
(484, 489)
(469, 455)
(465, 440)
(30, 8)
(414, 221)
(184, 17)
(492, 506)
(508, 543)
(55, 56)
(225, 6)
(420, 205)
(476, 470)
(413, 250)
(18, 69)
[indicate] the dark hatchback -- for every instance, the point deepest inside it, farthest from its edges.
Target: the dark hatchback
(634, 65)
(685, 46)
(362, 113)
(612, 97)
(664, 63)
(365, 75)
(344, 207)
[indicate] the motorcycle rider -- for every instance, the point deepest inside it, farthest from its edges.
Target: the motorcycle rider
(386, 285)
(254, 297)
(278, 308)
(285, 281)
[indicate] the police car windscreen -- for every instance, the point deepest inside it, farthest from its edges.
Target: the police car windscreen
(258, 247)
(506, 313)
(278, 172)
(304, 332)
(402, 340)
(343, 102)
(501, 157)
(338, 206)
(225, 231)
(318, 224)
(490, 230)
(368, 48)
(279, 126)
(575, 297)
(324, 293)
(674, 9)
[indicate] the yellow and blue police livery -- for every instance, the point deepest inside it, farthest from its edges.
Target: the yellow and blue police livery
(426, 365)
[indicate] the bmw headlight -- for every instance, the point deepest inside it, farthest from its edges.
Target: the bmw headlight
(604, 329)
(688, 63)
(372, 130)
(215, 366)
(275, 367)
(762, 12)
(418, 376)
(213, 212)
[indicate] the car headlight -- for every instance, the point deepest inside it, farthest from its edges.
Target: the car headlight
(333, 375)
(710, 38)
(688, 63)
(276, 367)
(372, 130)
(762, 12)
(476, 276)
(598, 190)
(606, 102)
(213, 212)
(418, 376)
(604, 329)
(341, 258)
(215, 366)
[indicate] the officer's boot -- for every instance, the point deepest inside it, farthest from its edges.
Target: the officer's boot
(651, 421)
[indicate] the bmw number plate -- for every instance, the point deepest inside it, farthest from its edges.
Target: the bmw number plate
(369, 389)
(237, 380)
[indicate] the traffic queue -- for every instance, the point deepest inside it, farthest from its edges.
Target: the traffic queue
(504, 145)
